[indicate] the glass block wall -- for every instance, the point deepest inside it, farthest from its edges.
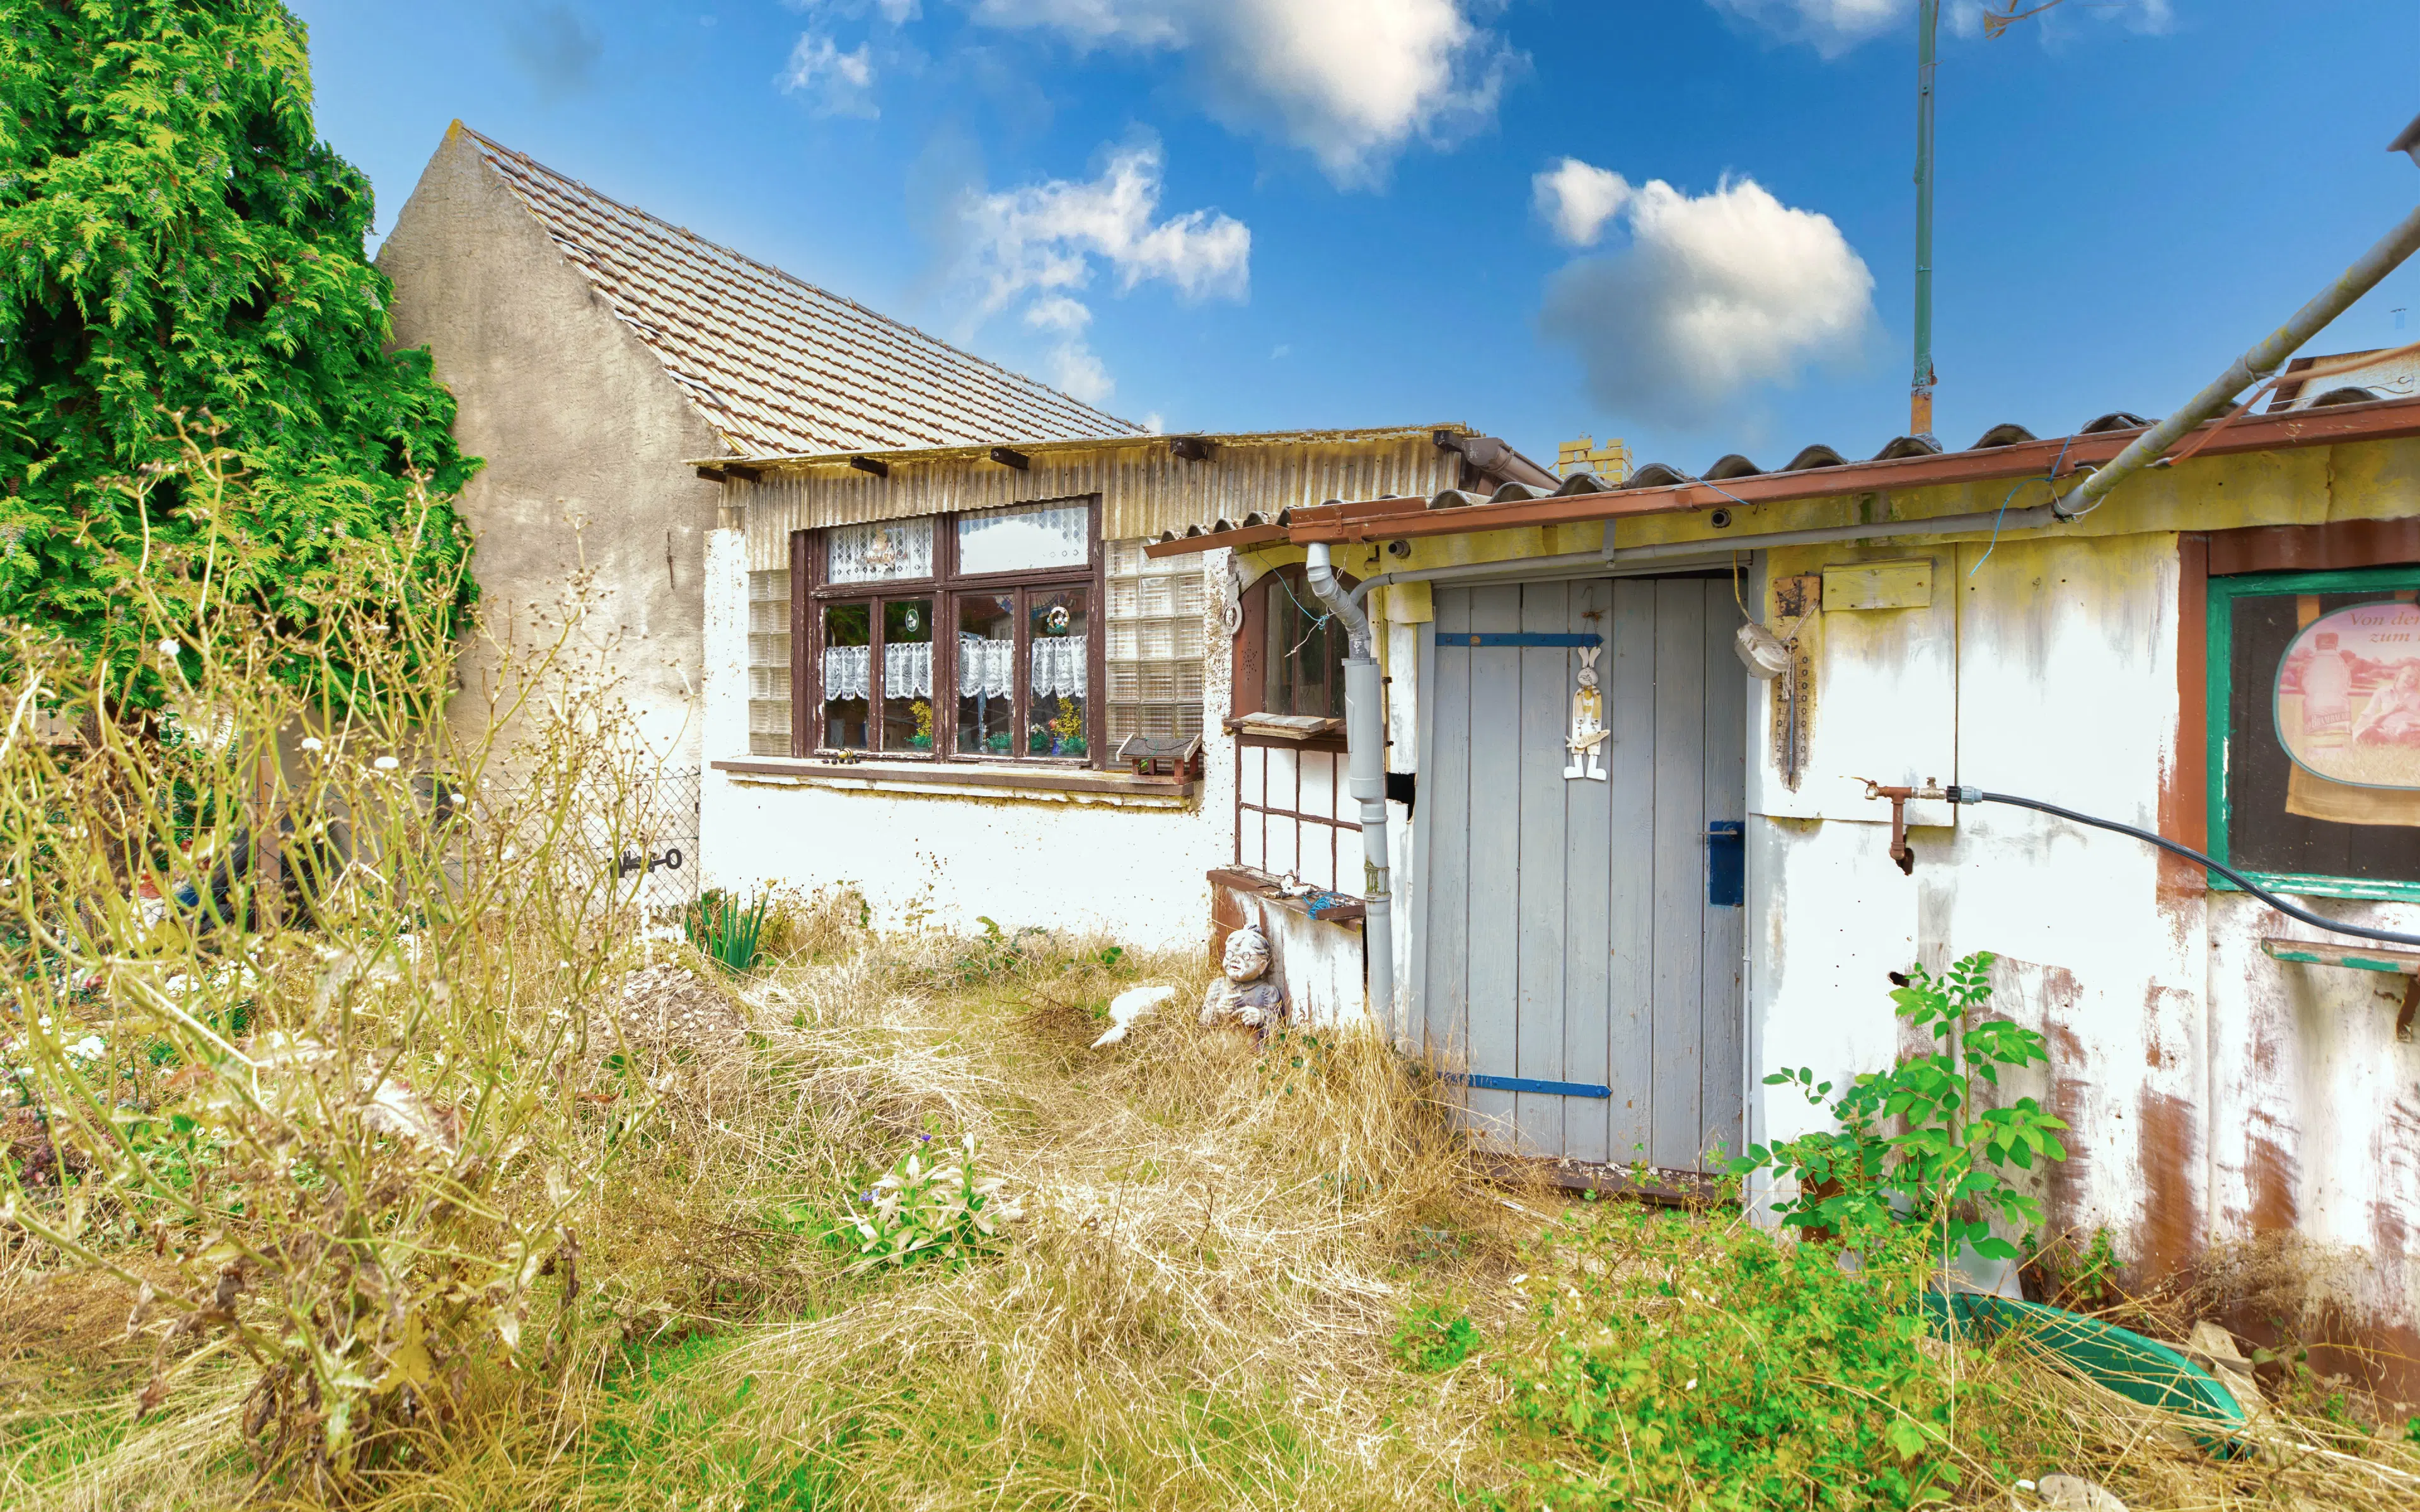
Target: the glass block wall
(768, 663)
(1154, 648)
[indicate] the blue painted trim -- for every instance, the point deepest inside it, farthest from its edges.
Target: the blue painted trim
(1463, 641)
(1523, 1084)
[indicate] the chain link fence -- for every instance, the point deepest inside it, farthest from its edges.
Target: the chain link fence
(645, 830)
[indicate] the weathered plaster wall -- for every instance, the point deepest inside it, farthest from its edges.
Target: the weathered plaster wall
(585, 439)
(2216, 1096)
(1137, 876)
(1319, 962)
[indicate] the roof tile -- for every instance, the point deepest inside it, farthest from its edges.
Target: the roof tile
(776, 365)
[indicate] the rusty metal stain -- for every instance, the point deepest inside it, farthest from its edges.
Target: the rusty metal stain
(2167, 1138)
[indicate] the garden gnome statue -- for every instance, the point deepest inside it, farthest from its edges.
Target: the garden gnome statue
(1244, 995)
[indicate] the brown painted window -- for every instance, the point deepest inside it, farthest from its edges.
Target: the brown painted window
(967, 636)
(1290, 656)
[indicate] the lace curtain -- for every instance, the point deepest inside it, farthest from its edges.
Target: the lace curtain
(1058, 667)
(886, 551)
(1015, 540)
(906, 671)
(984, 667)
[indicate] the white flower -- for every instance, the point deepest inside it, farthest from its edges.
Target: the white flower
(88, 1048)
(462, 797)
(386, 764)
(169, 648)
(46, 1021)
(313, 743)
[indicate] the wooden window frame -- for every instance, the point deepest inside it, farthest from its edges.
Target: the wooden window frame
(1250, 688)
(2220, 594)
(809, 593)
(1296, 815)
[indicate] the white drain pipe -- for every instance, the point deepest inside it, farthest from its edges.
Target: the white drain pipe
(1365, 747)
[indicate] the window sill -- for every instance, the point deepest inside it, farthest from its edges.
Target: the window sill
(1326, 907)
(968, 779)
(2294, 885)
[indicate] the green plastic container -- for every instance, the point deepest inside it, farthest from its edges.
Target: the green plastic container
(2129, 1364)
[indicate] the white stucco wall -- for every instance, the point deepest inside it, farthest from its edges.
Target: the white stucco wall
(1136, 874)
(2216, 1095)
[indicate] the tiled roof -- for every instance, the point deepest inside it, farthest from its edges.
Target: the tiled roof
(2395, 373)
(2002, 454)
(775, 364)
(1811, 459)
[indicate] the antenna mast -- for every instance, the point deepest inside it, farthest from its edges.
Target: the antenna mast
(1919, 405)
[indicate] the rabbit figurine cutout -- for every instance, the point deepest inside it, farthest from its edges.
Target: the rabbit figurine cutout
(1587, 744)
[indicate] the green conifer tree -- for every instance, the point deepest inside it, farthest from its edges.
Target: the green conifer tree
(181, 260)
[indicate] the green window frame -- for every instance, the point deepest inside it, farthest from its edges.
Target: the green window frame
(2223, 593)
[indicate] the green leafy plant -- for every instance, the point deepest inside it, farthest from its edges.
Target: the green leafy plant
(933, 1205)
(181, 270)
(1434, 1337)
(726, 933)
(1943, 1170)
(995, 953)
(1676, 1364)
(2082, 1279)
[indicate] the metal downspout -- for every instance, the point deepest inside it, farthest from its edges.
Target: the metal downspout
(1365, 755)
(2252, 366)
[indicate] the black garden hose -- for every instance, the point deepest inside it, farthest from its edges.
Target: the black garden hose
(1966, 794)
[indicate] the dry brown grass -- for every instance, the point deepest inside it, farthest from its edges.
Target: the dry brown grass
(1195, 1311)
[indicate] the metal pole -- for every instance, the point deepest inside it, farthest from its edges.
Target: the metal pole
(1919, 407)
(2261, 359)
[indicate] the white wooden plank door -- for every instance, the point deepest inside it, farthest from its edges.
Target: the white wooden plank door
(1583, 938)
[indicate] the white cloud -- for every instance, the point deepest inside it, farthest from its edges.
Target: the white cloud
(1577, 198)
(1073, 367)
(840, 83)
(897, 12)
(1714, 295)
(1351, 82)
(1829, 26)
(1833, 27)
(1048, 235)
(1059, 313)
(1076, 371)
(2153, 17)
(1043, 240)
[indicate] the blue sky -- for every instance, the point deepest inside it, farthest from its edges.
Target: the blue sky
(1261, 214)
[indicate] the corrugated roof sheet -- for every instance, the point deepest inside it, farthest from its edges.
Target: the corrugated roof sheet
(776, 365)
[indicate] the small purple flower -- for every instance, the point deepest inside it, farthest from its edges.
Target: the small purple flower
(926, 1138)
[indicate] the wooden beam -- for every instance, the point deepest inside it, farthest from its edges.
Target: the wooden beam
(871, 464)
(1006, 456)
(1249, 535)
(1190, 448)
